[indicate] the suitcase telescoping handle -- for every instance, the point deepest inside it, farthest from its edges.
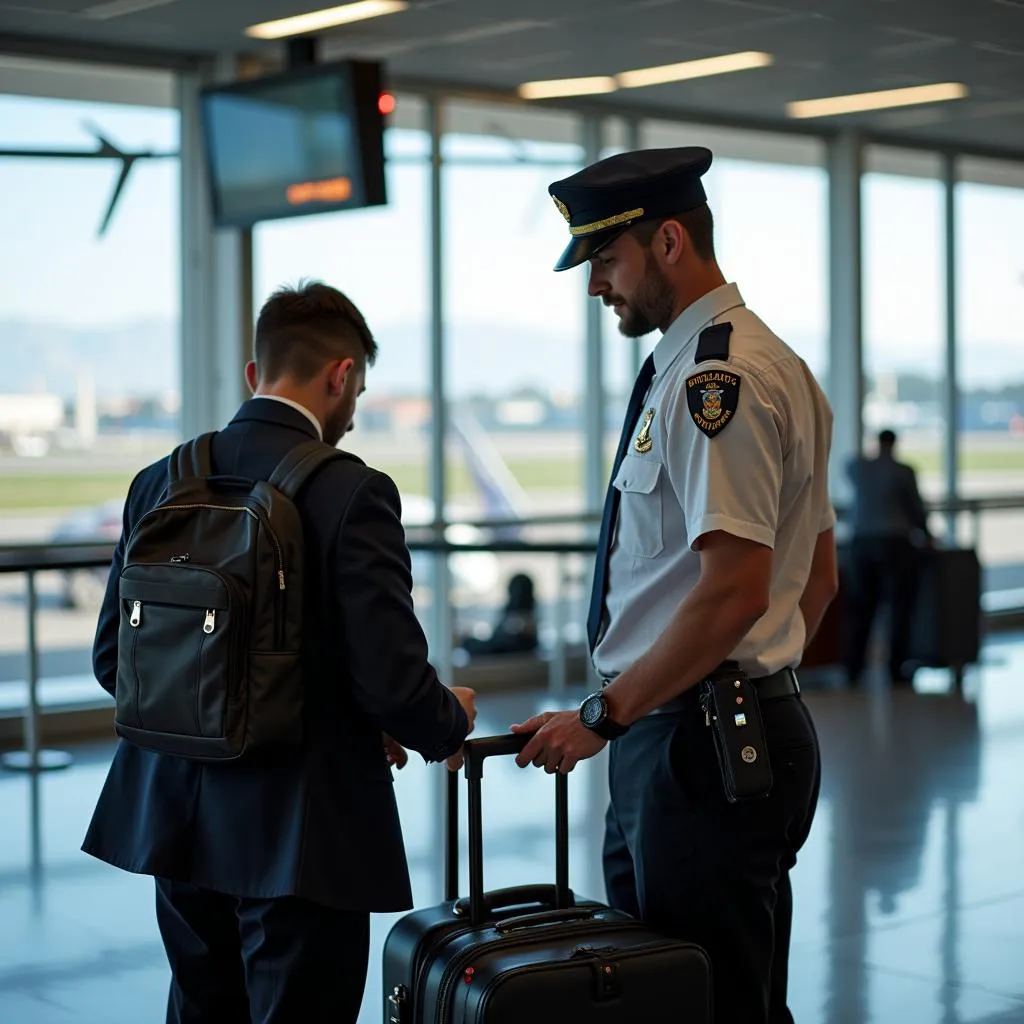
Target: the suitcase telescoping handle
(482, 904)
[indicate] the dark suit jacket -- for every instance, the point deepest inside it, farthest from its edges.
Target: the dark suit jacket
(886, 500)
(320, 822)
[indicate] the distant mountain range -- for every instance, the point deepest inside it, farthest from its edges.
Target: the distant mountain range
(141, 359)
(137, 359)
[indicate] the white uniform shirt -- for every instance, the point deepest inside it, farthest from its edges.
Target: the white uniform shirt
(762, 476)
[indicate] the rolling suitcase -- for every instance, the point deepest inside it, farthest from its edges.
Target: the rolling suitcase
(532, 954)
(945, 629)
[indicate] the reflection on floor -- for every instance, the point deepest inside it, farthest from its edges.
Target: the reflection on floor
(909, 894)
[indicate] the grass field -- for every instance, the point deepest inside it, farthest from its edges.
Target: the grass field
(27, 491)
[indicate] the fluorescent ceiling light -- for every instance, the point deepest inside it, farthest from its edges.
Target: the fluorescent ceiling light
(646, 76)
(694, 69)
(877, 100)
(330, 17)
(566, 87)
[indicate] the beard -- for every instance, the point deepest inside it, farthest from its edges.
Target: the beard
(338, 423)
(652, 305)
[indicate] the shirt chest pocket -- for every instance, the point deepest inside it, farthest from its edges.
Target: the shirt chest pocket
(639, 531)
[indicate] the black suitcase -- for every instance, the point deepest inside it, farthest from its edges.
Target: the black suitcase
(532, 954)
(946, 624)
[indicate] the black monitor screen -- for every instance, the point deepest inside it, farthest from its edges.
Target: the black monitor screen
(303, 142)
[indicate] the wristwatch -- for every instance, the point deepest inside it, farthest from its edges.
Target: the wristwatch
(594, 715)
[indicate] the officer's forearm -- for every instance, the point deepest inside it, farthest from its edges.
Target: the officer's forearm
(814, 603)
(706, 628)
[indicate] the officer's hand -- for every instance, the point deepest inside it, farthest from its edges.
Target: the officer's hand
(561, 741)
(455, 762)
(467, 698)
(397, 755)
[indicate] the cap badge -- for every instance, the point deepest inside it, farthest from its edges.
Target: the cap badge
(562, 208)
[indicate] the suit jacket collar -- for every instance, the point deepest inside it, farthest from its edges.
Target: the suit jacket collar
(276, 413)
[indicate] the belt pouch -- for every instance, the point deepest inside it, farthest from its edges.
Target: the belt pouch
(732, 712)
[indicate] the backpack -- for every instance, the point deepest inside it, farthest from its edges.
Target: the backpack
(209, 662)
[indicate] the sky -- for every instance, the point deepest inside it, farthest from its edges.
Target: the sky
(510, 318)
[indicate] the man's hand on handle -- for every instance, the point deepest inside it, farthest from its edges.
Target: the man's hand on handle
(560, 743)
(467, 698)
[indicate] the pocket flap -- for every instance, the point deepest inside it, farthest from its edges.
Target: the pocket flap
(188, 588)
(637, 476)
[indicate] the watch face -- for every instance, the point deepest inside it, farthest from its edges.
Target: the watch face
(592, 710)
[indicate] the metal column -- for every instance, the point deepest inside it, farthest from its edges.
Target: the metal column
(216, 279)
(595, 474)
(441, 618)
(950, 391)
(845, 375)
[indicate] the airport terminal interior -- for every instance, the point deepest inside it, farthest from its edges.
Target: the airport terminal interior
(868, 194)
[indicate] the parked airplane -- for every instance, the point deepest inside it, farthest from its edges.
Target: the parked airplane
(105, 150)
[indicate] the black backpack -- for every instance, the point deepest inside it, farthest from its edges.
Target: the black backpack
(209, 660)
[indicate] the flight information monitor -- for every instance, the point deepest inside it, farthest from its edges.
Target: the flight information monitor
(305, 141)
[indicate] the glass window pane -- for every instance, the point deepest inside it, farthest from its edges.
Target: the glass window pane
(514, 329)
(904, 308)
(990, 358)
(514, 337)
(89, 324)
(769, 197)
(91, 388)
(379, 257)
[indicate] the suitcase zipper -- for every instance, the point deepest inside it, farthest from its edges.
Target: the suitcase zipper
(586, 953)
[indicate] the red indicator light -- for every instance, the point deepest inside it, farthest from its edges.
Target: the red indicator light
(386, 103)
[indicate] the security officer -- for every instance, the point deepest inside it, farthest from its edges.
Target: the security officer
(716, 560)
(888, 523)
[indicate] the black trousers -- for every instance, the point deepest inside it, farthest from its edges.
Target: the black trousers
(679, 856)
(252, 961)
(880, 568)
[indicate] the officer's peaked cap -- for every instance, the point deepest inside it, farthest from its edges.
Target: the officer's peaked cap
(604, 199)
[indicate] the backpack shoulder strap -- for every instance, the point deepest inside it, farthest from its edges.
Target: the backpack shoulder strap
(301, 463)
(192, 459)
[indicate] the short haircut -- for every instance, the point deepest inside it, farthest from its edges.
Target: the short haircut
(699, 225)
(886, 438)
(302, 329)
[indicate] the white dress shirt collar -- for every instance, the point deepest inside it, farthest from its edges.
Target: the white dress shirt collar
(299, 408)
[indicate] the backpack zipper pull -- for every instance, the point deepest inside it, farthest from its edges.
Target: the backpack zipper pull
(280, 579)
(136, 618)
(211, 618)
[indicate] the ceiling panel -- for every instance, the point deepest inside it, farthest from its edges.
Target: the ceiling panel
(821, 48)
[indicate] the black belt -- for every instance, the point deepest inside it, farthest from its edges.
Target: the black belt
(779, 684)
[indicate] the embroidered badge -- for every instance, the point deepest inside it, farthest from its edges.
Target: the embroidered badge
(643, 443)
(712, 397)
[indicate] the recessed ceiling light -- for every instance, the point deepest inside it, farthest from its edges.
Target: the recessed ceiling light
(858, 102)
(567, 87)
(330, 17)
(694, 69)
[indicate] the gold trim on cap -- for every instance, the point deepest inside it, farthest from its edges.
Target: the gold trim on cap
(608, 222)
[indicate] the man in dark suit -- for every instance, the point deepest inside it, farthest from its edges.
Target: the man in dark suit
(888, 516)
(267, 870)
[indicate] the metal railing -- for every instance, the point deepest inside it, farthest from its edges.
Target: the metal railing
(31, 559)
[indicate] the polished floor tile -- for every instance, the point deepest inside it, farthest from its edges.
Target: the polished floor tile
(909, 895)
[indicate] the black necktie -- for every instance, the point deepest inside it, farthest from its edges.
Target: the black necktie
(611, 502)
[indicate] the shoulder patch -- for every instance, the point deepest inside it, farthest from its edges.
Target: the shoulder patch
(712, 397)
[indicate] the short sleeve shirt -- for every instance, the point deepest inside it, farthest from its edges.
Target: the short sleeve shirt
(739, 445)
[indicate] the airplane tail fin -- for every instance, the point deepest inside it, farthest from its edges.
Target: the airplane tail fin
(500, 492)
